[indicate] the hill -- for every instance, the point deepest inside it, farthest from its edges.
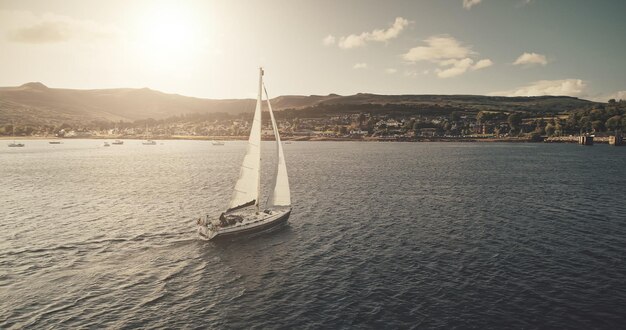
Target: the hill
(36, 104)
(428, 104)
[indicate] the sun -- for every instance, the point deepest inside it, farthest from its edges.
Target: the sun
(167, 34)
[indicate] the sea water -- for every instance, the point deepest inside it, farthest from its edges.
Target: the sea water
(382, 235)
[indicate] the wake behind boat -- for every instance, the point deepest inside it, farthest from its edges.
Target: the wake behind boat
(243, 216)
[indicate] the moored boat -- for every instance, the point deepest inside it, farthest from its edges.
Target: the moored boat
(15, 144)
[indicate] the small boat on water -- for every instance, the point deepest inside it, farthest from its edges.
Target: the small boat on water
(106, 144)
(117, 142)
(15, 144)
(244, 215)
(54, 142)
(217, 143)
(148, 141)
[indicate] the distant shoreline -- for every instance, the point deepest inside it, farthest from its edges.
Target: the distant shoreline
(563, 139)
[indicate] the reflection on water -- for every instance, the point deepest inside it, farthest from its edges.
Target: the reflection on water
(381, 234)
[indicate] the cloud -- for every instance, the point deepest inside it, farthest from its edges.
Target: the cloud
(454, 58)
(569, 87)
(25, 27)
(361, 65)
(529, 59)
(619, 95)
(438, 48)
(455, 67)
(329, 40)
(42, 33)
(458, 67)
(468, 4)
(484, 63)
(379, 35)
(390, 70)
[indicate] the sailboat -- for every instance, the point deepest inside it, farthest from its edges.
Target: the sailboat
(15, 144)
(244, 215)
(148, 141)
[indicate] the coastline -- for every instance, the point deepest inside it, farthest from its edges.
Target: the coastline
(562, 139)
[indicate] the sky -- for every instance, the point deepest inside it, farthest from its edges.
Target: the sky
(212, 49)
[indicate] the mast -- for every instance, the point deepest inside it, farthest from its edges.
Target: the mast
(260, 104)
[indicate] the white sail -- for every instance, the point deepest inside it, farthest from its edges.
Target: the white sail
(247, 187)
(281, 196)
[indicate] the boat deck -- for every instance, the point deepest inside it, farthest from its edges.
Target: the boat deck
(249, 222)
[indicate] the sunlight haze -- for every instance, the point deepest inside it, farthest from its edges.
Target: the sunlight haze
(210, 49)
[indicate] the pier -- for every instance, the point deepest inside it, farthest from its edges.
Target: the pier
(616, 140)
(585, 140)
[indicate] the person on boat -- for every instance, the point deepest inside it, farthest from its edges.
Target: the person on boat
(223, 220)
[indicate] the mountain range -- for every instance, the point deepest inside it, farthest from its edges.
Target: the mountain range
(36, 104)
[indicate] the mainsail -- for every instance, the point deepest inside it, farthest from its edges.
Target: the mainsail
(247, 187)
(281, 195)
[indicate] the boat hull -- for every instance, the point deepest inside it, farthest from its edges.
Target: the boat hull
(228, 234)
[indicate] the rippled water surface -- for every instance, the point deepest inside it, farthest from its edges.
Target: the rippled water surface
(394, 235)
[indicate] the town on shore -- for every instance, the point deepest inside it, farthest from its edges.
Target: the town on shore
(602, 121)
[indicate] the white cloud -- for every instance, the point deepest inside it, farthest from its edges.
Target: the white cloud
(468, 4)
(26, 27)
(569, 87)
(361, 65)
(438, 48)
(619, 95)
(456, 67)
(380, 35)
(454, 58)
(390, 70)
(484, 63)
(329, 40)
(352, 41)
(531, 59)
